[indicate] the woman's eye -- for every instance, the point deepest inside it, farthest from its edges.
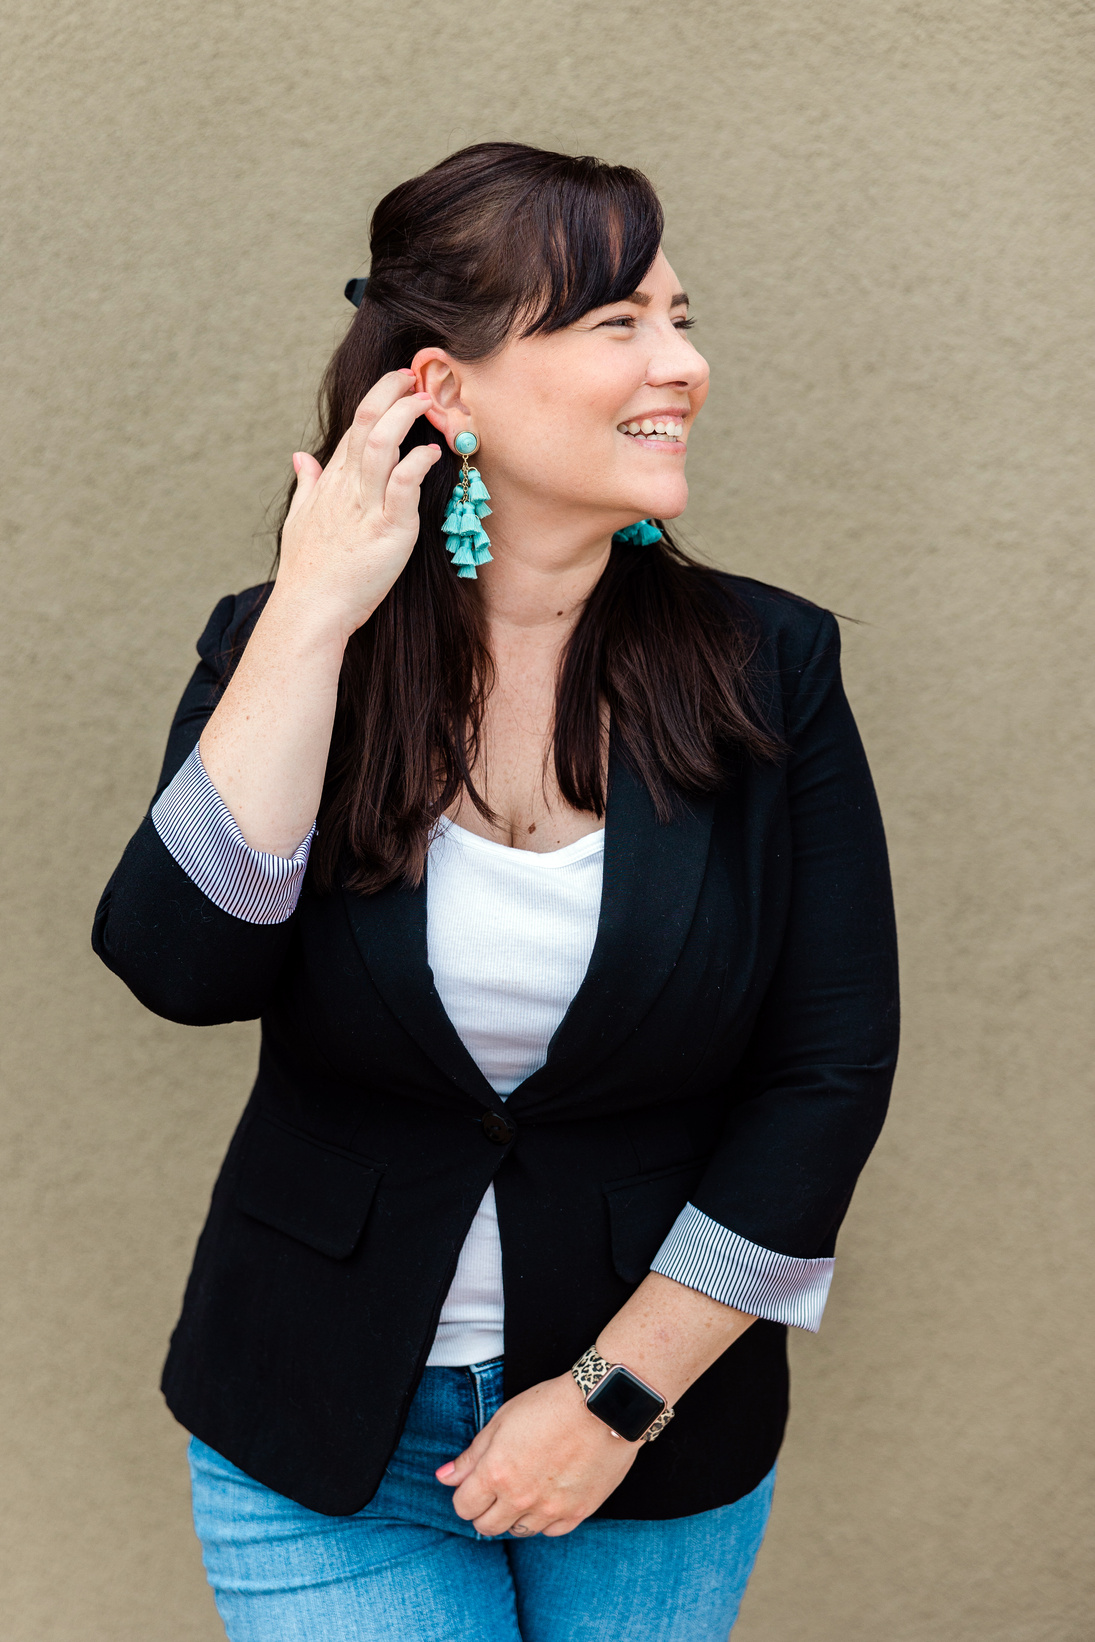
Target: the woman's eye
(627, 322)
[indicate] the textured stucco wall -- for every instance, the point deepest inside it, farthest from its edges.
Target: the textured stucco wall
(883, 209)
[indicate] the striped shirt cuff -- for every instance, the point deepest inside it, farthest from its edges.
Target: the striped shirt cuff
(199, 831)
(704, 1255)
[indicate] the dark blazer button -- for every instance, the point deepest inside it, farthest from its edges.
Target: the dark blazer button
(497, 1129)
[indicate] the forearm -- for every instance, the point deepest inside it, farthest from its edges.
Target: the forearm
(265, 748)
(669, 1335)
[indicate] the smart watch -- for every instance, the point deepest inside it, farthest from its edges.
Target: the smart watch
(629, 1407)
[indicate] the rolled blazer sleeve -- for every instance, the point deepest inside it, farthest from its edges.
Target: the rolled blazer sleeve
(812, 1091)
(201, 833)
(181, 954)
(704, 1255)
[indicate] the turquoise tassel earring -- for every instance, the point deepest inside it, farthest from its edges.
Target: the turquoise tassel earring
(638, 535)
(465, 537)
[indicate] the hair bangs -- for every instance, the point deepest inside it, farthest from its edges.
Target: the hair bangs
(592, 232)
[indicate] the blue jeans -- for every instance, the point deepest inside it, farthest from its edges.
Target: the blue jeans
(408, 1569)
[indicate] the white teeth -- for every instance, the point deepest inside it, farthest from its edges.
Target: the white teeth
(652, 430)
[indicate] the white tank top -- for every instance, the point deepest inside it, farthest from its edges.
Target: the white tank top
(509, 936)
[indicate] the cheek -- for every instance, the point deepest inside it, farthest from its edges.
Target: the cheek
(523, 409)
(547, 427)
(574, 386)
(549, 418)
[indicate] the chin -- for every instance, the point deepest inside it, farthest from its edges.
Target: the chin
(667, 506)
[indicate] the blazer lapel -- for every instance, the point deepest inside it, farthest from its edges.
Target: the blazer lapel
(390, 931)
(652, 877)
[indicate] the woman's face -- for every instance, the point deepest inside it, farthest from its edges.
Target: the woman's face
(588, 424)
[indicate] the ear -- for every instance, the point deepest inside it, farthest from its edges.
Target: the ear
(439, 375)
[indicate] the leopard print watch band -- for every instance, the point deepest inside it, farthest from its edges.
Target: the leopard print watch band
(590, 1370)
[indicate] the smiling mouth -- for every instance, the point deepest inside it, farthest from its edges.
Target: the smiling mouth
(654, 430)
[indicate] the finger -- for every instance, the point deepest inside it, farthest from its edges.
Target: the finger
(505, 1515)
(499, 1506)
(562, 1525)
(474, 1498)
(497, 1519)
(384, 393)
(528, 1524)
(527, 1521)
(456, 1471)
(378, 451)
(404, 490)
(307, 470)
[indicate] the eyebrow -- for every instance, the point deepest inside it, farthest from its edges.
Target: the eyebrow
(641, 300)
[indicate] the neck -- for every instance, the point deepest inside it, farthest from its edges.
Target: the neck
(543, 571)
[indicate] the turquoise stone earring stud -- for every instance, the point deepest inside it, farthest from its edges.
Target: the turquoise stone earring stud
(465, 537)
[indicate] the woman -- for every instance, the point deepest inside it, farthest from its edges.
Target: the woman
(581, 1022)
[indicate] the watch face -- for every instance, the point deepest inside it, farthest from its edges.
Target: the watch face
(625, 1403)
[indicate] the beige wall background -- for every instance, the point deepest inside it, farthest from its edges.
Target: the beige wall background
(884, 211)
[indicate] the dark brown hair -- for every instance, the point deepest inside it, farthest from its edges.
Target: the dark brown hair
(498, 237)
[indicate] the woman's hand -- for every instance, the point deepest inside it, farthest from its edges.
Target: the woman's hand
(349, 532)
(352, 525)
(543, 1463)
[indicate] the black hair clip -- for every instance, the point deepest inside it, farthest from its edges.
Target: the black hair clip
(355, 290)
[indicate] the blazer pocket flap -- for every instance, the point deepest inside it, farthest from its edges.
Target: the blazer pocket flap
(641, 1213)
(318, 1195)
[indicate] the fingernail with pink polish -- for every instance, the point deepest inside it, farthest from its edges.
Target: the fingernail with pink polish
(445, 1470)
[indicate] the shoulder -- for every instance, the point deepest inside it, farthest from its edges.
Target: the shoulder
(230, 626)
(793, 622)
(793, 661)
(787, 626)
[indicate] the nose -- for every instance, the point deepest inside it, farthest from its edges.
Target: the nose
(676, 363)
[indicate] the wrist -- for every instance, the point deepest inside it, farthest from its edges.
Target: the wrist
(595, 1433)
(656, 1368)
(313, 624)
(627, 1404)
(669, 1334)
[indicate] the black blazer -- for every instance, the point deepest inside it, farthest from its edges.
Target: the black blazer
(732, 1044)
